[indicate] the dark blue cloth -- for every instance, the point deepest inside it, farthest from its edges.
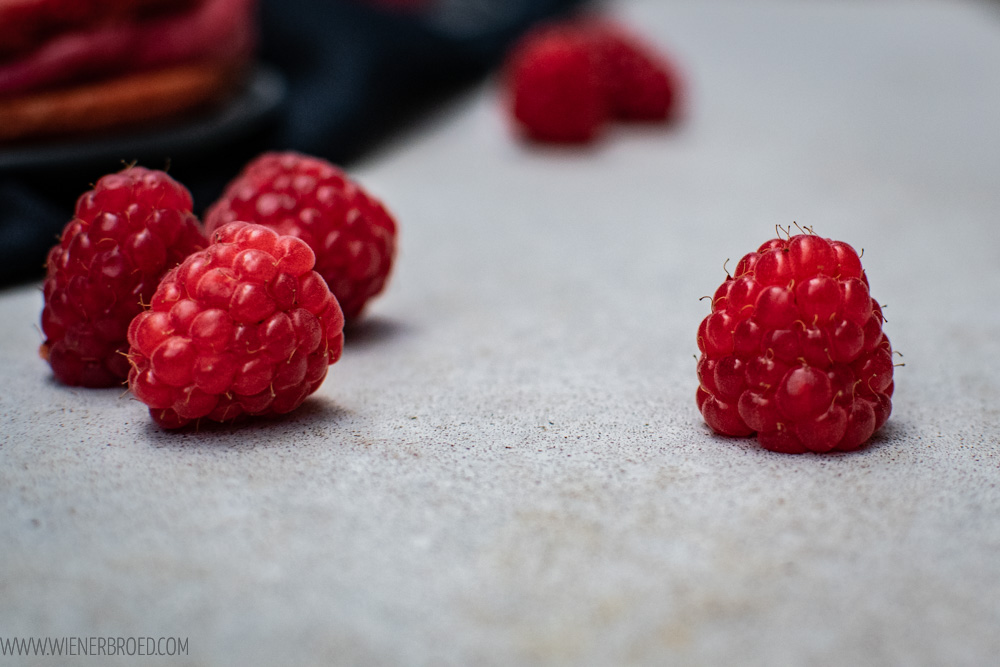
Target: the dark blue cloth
(355, 74)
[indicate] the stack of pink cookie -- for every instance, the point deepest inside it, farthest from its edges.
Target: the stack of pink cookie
(75, 66)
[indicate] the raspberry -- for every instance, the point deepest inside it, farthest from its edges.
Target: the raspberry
(794, 350)
(244, 327)
(565, 81)
(127, 232)
(640, 84)
(351, 233)
(556, 87)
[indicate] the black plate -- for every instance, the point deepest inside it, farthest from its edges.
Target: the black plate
(256, 103)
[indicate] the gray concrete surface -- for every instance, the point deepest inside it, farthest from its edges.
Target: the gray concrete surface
(507, 467)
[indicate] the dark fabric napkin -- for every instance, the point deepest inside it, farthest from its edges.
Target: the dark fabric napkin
(356, 72)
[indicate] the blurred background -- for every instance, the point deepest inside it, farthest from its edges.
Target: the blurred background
(327, 77)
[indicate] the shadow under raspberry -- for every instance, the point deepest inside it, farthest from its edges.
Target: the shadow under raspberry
(371, 331)
(251, 432)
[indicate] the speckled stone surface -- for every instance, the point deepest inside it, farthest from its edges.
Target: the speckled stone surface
(507, 467)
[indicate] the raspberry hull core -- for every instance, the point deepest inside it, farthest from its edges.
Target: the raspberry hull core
(794, 350)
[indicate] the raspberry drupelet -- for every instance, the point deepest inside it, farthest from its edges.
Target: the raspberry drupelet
(794, 350)
(244, 327)
(127, 232)
(350, 232)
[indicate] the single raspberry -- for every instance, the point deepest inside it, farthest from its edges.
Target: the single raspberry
(641, 84)
(351, 233)
(245, 326)
(555, 86)
(127, 232)
(794, 350)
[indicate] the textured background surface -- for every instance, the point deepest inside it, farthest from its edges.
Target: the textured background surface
(507, 466)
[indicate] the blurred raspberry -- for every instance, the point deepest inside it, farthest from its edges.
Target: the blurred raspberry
(565, 81)
(641, 83)
(555, 85)
(794, 350)
(128, 231)
(351, 233)
(244, 327)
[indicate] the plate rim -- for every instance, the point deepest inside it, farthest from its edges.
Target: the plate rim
(260, 99)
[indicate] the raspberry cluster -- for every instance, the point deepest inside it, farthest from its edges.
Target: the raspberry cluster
(126, 233)
(351, 233)
(794, 350)
(566, 81)
(245, 326)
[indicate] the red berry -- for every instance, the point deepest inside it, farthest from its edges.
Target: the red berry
(794, 350)
(128, 231)
(565, 81)
(640, 83)
(352, 236)
(245, 326)
(556, 86)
